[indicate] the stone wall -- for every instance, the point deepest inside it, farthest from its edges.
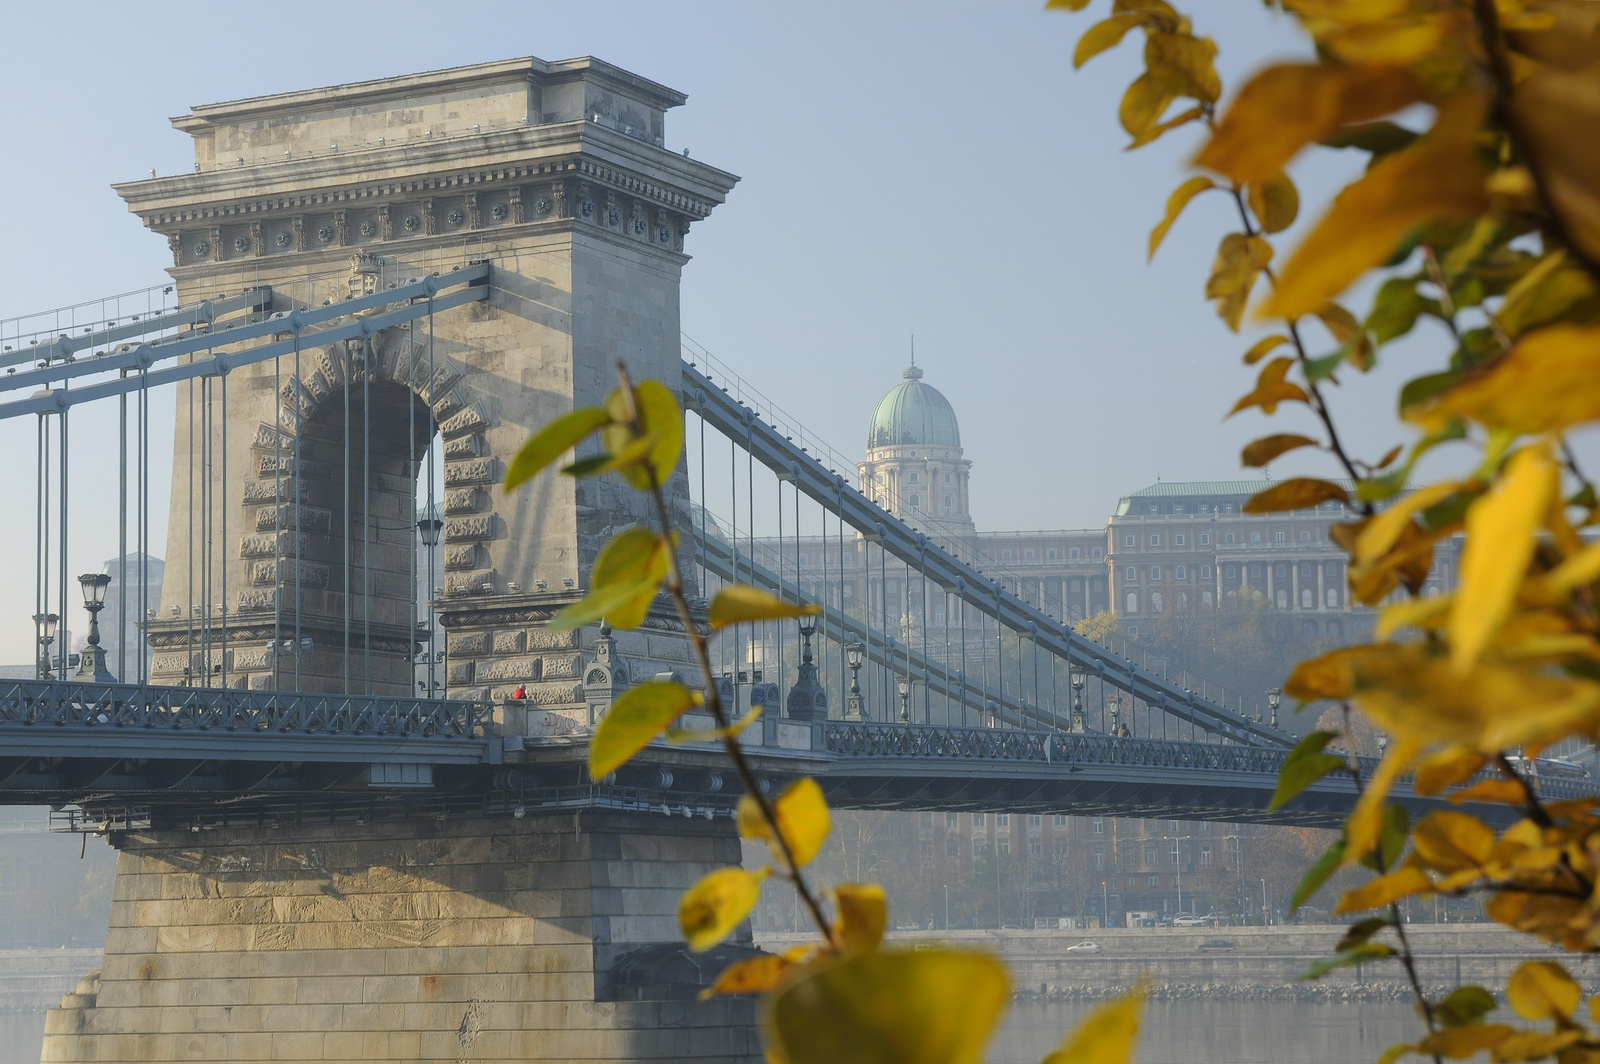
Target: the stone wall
(432, 940)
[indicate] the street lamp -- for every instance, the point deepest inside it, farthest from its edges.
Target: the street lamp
(92, 662)
(45, 624)
(1116, 713)
(903, 685)
(428, 528)
(1075, 673)
(853, 653)
(1274, 696)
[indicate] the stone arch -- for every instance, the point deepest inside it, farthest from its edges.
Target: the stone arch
(392, 371)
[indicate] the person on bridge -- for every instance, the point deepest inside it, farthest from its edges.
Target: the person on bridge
(520, 692)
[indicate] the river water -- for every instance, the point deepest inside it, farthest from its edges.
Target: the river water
(1224, 1032)
(1174, 1032)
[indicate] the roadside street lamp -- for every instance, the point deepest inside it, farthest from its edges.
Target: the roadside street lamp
(903, 685)
(428, 528)
(853, 653)
(1274, 696)
(1075, 673)
(92, 662)
(45, 624)
(1116, 713)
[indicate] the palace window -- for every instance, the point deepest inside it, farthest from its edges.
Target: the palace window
(1227, 537)
(1278, 537)
(1155, 541)
(916, 502)
(1097, 553)
(1002, 820)
(1062, 820)
(1029, 554)
(977, 819)
(1127, 541)
(1132, 573)
(1005, 555)
(1035, 820)
(952, 820)
(1205, 572)
(1099, 860)
(1097, 826)
(1051, 554)
(1231, 572)
(1002, 847)
(1305, 536)
(949, 505)
(1073, 553)
(1155, 573)
(1205, 855)
(1035, 848)
(916, 477)
(1205, 539)
(1180, 573)
(1177, 540)
(1255, 537)
(1133, 602)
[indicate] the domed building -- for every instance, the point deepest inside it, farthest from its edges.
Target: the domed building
(914, 466)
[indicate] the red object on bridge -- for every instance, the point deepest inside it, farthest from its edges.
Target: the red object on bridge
(520, 692)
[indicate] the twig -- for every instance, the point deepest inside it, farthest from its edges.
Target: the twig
(713, 699)
(1319, 405)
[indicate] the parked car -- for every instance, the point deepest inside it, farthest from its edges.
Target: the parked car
(1190, 921)
(1215, 945)
(1084, 947)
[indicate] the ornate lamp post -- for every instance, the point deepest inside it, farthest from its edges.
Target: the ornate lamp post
(1274, 697)
(92, 662)
(428, 528)
(853, 653)
(45, 623)
(903, 685)
(1075, 672)
(1115, 705)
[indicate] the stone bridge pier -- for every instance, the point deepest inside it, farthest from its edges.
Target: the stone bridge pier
(427, 933)
(543, 938)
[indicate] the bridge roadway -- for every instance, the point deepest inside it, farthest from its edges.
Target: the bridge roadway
(123, 756)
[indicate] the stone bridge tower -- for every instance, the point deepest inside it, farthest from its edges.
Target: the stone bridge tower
(425, 924)
(556, 174)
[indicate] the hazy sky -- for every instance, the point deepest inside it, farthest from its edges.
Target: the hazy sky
(935, 168)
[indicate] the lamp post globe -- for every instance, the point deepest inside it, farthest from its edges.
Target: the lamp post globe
(1076, 675)
(903, 685)
(854, 709)
(92, 660)
(1274, 697)
(45, 624)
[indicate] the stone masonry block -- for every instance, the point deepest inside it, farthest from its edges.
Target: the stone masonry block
(459, 557)
(467, 419)
(252, 658)
(555, 694)
(471, 471)
(469, 644)
(469, 446)
(460, 672)
(509, 669)
(509, 642)
(562, 666)
(478, 527)
(548, 639)
(464, 500)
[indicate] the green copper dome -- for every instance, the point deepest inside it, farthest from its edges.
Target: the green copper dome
(914, 414)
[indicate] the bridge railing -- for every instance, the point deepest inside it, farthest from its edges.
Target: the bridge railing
(53, 703)
(852, 740)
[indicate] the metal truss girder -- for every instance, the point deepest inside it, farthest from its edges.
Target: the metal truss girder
(52, 400)
(191, 314)
(768, 446)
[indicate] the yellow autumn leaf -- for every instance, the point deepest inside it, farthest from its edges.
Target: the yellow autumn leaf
(890, 1007)
(1259, 452)
(1263, 347)
(1283, 108)
(1446, 768)
(741, 603)
(1240, 260)
(1462, 1043)
(1365, 823)
(1546, 384)
(1274, 201)
(753, 975)
(1501, 527)
(1103, 35)
(1582, 568)
(551, 442)
(1185, 63)
(802, 815)
(1381, 533)
(1506, 792)
(1428, 614)
(1108, 1035)
(1450, 842)
(660, 420)
(1542, 990)
(634, 720)
(863, 914)
(1296, 493)
(1437, 178)
(1175, 204)
(1403, 882)
(710, 910)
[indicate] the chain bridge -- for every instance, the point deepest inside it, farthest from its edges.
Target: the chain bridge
(339, 746)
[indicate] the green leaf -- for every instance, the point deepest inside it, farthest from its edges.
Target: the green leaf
(1358, 933)
(1377, 489)
(636, 718)
(1379, 138)
(630, 558)
(553, 441)
(623, 606)
(1420, 389)
(663, 419)
(739, 603)
(660, 422)
(711, 735)
(629, 455)
(1348, 958)
(1395, 1052)
(1466, 1004)
(1305, 765)
(1396, 308)
(1320, 369)
(1108, 1035)
(934, 1006)
(1318, 874)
